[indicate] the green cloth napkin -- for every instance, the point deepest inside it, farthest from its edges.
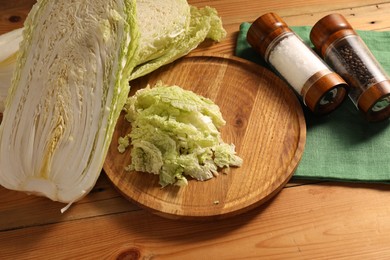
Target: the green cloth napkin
(340, 146)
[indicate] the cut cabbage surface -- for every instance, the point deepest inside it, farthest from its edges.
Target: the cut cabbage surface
(199, 23)
(71, 82)
(156, 38)
(175, 133)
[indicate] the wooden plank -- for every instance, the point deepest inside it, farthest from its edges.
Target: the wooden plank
(28, 210)
(324, 221)
(366, 17)
(13, 13)
(250, 10)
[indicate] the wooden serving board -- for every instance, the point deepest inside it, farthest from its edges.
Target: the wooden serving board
(264, 120)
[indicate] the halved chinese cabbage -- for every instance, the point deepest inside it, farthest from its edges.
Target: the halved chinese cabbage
(68, 89)
(71, 82)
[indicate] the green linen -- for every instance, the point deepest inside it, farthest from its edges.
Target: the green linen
(341, 146)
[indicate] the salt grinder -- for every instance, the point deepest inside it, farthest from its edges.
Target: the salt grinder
(321, 89)
(346, 53)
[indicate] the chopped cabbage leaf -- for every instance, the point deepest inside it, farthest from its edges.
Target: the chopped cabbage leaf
(175, 133)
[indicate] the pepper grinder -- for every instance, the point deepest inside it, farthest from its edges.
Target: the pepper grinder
(345, 52)
(321, 89)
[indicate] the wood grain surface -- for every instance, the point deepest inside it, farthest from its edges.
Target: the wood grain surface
(264, 120)
(306, 220)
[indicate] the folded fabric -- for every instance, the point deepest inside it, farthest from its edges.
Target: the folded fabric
(341, 146)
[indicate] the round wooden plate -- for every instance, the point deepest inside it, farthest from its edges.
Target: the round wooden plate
(264, 120)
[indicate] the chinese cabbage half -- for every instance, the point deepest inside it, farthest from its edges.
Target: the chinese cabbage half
(71, 82)
(66, 95)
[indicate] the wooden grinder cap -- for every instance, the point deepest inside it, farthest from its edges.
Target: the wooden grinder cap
(327, 30)
(326, 93)
(378, 93)
(264, 30)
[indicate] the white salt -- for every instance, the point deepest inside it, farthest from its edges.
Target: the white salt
(295, 62)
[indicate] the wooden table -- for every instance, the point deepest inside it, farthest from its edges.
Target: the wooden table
(309, 220)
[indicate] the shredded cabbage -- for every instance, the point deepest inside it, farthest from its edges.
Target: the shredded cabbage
(175, 133)
(71, 82)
